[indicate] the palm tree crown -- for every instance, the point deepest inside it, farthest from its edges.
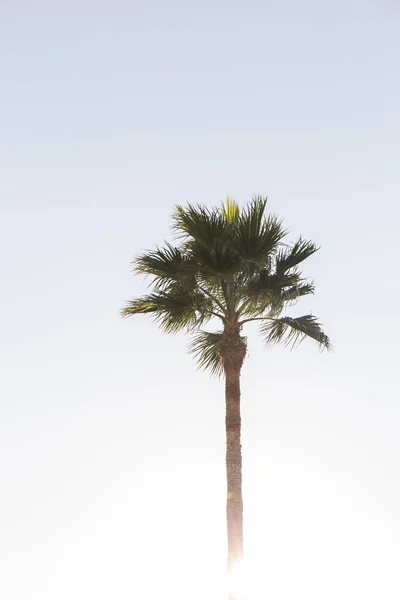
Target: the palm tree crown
(230, 264)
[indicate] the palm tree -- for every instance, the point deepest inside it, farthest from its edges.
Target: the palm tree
(230, 266)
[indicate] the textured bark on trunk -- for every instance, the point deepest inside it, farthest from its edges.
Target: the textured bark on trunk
(234, 504)
(233, 351)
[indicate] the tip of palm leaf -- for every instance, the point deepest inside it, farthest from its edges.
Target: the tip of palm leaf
(230, 210)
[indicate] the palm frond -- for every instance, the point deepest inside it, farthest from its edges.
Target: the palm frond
(215, 259)
(230, 210)
(166, 264)
(291, 257)
(199, 223)
(288, 296)
(173, 310)
(205, 348)
(297, 291)
(291, 331)
(206, 238)
(266, 289)
(257, 237)
(264, 281)
(140, 306)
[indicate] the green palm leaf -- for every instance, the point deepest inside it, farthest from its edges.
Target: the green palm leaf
(166, 264)
(256, 237)
(297, 291)
(265, 290)
(199, 223)
(291, 331)
(207, 236)
(173, 310)
(293, 256)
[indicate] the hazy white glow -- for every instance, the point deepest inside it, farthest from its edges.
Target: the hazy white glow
(239, 582)
(158, 541)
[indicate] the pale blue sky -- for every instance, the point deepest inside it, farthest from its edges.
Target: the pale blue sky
(111, 443)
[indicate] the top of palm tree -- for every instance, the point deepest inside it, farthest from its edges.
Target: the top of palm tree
(230, 264)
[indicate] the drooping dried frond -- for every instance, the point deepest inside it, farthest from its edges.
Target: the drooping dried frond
(205, 346)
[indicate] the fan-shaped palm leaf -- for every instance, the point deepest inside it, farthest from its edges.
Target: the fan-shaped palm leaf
(199, 223)
(257, 236)
(289, 330)
(265, 289)
(173, 310)
(293, 256)
(168, 264)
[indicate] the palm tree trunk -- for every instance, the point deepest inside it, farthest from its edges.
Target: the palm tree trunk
(232, 352)
(234, 504)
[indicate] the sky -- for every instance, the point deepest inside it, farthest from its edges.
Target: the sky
(111, 442)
